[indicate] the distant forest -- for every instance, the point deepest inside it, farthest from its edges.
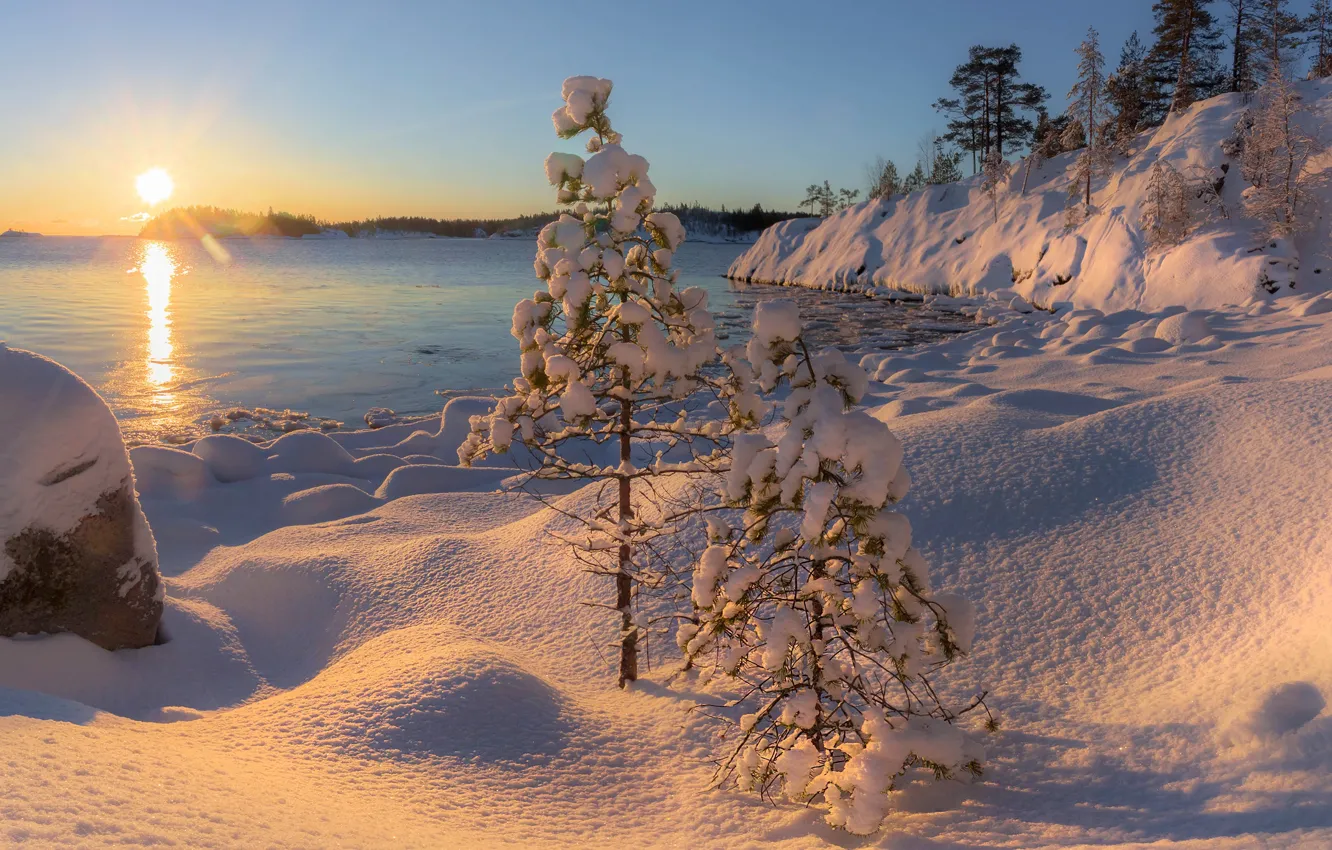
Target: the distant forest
(196, 221)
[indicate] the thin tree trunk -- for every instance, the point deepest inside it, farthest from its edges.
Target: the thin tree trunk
(1323, 41)
(1276, 45)
(816, 666)
(623, 582)
(1182, 82)
(1091, 134)
(1237, 60)
(985, 122)
(1290, 173)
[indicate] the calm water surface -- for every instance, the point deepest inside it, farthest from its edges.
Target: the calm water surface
(172, 337)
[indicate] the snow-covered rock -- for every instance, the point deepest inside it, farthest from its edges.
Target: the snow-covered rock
(378, 417)
(76, 553)
(944, 239)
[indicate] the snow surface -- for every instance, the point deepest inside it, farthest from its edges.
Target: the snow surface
(370, 647)
(944, 239)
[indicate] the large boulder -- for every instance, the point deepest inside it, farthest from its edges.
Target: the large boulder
(76, 553)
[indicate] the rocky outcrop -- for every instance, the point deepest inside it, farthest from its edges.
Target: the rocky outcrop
(76, 553)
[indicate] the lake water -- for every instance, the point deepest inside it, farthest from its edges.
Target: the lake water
(172, 336)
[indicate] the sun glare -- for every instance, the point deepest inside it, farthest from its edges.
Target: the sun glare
(154, 186)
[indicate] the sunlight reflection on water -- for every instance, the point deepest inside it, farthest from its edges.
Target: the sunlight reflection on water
(157, 269)
(151, 389)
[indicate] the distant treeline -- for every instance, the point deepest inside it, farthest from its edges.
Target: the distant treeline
(187, 222)
(193, 222)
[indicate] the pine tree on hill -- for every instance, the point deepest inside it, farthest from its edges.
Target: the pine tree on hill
(1087, 107)
(944, 169)
(1278, 38)
(1127, 91)
(1240, 25)
(1183, 61)
(915, 181)
(884, 181)
(991, 108)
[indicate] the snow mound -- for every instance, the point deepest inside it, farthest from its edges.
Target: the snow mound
(164, 472)
(944, 239)
(417, 479)
(435, 696)
(309, 451)
(325, 503)
(1314, 307)
(1183, 328)
(230, 458)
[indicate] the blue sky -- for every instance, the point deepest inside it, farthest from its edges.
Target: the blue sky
(442, 108)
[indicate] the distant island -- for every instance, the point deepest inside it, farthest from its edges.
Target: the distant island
(196, 221)
(17, 233)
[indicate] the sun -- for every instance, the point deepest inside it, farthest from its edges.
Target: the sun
(154, 186)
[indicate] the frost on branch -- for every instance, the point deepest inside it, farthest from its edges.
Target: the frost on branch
(817, 604)
(612, 362)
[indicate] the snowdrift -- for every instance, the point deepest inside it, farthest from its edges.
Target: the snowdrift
(945, 239)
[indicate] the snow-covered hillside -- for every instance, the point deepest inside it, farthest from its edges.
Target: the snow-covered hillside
(370, 647)
(944, 239)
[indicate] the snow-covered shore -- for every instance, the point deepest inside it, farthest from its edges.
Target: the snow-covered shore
(370, 646)
(944, 239)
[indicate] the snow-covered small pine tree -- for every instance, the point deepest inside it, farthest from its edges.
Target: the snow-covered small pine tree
(818, 607)
(610, 350)
(1087, 108)
(1166, 213)
(1274, 157)
(995, 175)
